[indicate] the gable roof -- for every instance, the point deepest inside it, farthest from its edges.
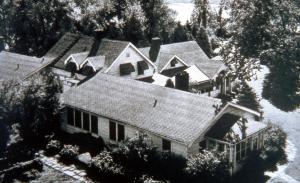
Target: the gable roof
(178, 115)
(79, 58)
(17, 66)
(111, 49)
(97, 61)
(191, 53)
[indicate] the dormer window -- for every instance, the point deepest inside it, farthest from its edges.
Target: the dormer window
(71, 67)
(173, 63)
(126, 69)
(87, 70)
(128, 54)
(142, 66)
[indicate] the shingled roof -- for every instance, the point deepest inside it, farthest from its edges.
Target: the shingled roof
(83, 44)
(111, 49)
(17, 66)
(191, 53)
(73, 44)
(178, 115)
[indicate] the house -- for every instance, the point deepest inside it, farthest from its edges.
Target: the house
(115, 108)
(20, 67)
(79, 57)
(207, 74)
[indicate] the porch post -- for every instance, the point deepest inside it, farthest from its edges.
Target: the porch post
(234, 158)
(223, 85)
(229, 84)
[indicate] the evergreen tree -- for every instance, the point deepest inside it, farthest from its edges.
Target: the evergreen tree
(248, 98)
(180, 33)
(133, 31)
(203, 41)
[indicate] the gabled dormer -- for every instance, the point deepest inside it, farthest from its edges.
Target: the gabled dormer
(173, 66)
(131, 63)
(73, 62)
(91, 65)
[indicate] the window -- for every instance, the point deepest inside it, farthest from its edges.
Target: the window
(126, 69)
(71, 67)
(70, 114)
(87, 70)
(173, 63)
(121, 132)
(86, 121)
(77, 118)
(166, 145)
(112, 130)
(94, 124)
(142, 66)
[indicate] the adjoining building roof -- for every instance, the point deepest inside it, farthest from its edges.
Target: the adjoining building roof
(17, 66)
(177, 115)
(82, 44)
(72, 44)
(191, 53)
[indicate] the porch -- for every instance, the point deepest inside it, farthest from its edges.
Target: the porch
(237, 146)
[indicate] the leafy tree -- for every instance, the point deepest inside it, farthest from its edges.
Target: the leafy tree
(200, 13)
(9, 111)
(40, 107)
(258, 28)
(282, 84)
(159, 19)
(32, 27)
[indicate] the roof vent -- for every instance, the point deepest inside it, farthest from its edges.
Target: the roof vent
(155, 102)
(43, 59)
(18, 66)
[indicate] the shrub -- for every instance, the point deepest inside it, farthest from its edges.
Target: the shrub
(167, 166)
(69, 152)
(53, 147)
(274, 145)
(134, 153)
(105, 164)
(207, 166)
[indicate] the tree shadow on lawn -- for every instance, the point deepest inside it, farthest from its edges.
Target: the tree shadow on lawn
(256, 166)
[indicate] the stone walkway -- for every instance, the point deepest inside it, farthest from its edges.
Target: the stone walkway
(71, 171)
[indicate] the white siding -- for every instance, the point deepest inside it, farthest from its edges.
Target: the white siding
(130, 55)
(168, 65)
(130, 131)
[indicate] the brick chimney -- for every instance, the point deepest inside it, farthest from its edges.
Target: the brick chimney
(2, 46)
(154, 49)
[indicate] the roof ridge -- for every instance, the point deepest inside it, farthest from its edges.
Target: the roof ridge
(19, 54)
(114, 40)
